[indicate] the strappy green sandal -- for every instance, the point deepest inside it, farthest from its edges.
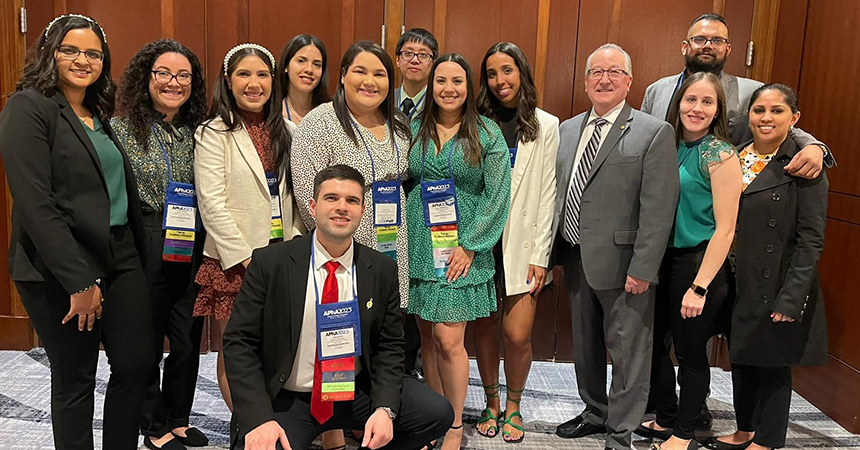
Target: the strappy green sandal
(506, 420)
(491, 391)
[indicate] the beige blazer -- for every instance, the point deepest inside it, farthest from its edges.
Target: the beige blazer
(527, 238)
(233, 195)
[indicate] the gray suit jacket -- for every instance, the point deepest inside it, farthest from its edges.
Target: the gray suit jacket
(629, 201)
(738, 91)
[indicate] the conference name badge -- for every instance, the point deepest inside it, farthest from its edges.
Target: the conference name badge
(276, 230)
(179, 222)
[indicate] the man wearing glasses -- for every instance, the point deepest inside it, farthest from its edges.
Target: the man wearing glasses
(617, 190)
(416, 50)
(706, 49)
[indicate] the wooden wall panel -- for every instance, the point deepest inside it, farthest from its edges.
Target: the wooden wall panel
(843, 313)
(790, 34)
(739, 17)
(560, 58)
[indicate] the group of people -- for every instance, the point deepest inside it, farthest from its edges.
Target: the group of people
(315, 230)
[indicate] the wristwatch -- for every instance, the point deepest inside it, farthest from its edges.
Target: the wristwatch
(698, 290)
(389, 411)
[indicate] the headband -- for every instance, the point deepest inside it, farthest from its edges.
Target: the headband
(104, 36)
(244, 46)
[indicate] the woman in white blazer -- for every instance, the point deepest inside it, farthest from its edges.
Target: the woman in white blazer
(508, 97)
(241, 167)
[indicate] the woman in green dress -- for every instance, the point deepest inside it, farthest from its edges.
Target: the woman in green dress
(456, 215)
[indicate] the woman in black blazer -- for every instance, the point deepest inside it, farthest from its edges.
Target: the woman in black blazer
(77, 236)
(778, 317)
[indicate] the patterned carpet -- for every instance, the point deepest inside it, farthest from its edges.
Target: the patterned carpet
(549, 399)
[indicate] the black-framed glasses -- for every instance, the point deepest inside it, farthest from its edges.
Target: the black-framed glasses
(701, 41)
(165, 77)
(422, 57)
(71, 53)
(614, 74)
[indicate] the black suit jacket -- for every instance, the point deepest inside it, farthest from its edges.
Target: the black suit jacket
(262, 336)
(61, 210)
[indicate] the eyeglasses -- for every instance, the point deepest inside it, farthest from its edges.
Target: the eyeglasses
(165, 77)
(701, 41)
(614, 74)
(422, 57)
(71, 53)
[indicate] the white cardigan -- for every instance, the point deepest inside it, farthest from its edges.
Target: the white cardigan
(233, 195)
(527, 238)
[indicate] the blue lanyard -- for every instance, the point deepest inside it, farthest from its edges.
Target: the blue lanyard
(450, 155)
(164, 153)
(370, 155)
(314, 267)
(289, 117)
(414, 107)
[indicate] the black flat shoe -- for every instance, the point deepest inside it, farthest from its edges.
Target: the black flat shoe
(714, 444)
(193, 438)
(577, 427)
(692, 445)
(172, 444)
(652, 433)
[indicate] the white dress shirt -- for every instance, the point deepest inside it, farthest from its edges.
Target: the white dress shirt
(302, 375)
(610, 118)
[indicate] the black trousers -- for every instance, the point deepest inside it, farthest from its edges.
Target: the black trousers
(125, 330)
(690, 336)
(424, 416)
(172, 292)
(413, 344)
(762, 397)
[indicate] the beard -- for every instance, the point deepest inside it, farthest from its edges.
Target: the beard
(694, 64)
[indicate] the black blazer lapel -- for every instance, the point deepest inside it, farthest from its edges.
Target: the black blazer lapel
(364, 278)
(298, 267)
(619, 128)
(70, 116)
(774, 172)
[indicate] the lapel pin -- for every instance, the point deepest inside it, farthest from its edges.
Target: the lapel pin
(370, 303)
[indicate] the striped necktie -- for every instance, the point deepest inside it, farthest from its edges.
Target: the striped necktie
(574, 192)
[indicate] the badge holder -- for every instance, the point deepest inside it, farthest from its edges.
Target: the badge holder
(338, 342)
(441, 215)
(180, 215)
(513, 152)
(386, 203)
(276, 230)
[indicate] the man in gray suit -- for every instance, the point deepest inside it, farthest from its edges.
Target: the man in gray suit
(706, 49)
(617, 192)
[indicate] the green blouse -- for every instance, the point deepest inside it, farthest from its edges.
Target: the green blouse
(694, 218)
(147, 161)
(113, 169)
(483, 199)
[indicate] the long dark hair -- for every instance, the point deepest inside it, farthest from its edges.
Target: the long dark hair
(320, 92)
(135, 102)
(719, 125)
(341, 110)
(489, 105)
(224, 106)
(40, 70)
(467, 135)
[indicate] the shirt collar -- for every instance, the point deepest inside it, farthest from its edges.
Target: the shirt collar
(321, 256)
(403, 95)
(610, 116)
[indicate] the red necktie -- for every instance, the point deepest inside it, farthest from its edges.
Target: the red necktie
(320, 410)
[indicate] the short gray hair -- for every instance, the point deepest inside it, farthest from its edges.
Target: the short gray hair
(628, 63)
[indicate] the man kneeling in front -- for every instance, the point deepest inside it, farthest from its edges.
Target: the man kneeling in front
(315, 341)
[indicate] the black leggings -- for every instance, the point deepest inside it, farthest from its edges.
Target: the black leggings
(690, 336)
(762, 397)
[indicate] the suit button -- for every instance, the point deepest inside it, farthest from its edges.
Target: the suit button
(766, 274)
(775, 196)
(525, 245)
(771, 223)
(525, 212)
(769, 248)
(765, 298)
(282, 379)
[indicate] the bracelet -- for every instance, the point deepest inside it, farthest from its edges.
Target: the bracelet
(98, 281)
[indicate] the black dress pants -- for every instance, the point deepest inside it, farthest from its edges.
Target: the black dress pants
(762, 397)
(690, 336)
(172, 292)
(125, 330)
(424, 415)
